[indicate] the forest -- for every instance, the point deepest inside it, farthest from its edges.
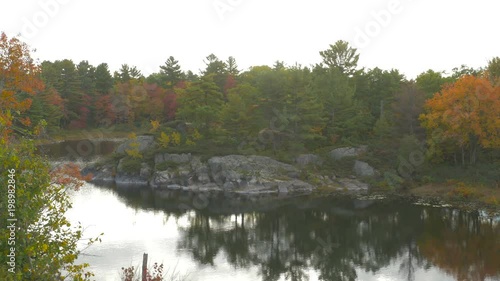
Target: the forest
(451, 119)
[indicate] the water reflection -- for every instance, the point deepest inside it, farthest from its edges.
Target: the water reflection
(462, 244)
(332, 239)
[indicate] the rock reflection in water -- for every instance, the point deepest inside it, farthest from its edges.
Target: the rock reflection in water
(289, 237)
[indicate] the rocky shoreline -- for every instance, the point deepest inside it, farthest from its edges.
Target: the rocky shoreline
(253, 175)
(232, 173)
(243, 174)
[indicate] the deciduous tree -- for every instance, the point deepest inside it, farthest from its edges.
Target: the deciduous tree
(467, 114)
(19, 80)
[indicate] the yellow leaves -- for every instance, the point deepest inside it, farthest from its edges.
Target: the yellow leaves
(196, 135)
(317, 130)
(155, 124)
(69, 258)
(164, 140)
(176, 138)
(172, 139)
(134, 147)
(134, 153)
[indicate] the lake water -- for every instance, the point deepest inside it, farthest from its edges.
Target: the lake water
(226, 237)
(222, 237)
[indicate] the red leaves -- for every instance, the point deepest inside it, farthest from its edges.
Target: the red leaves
(25, 121)
(104, 111)
(170, 105)
(230, 83)
(69, 175)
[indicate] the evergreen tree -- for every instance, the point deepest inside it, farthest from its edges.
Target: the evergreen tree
(334, 90)
(342, 57)
(103, 79)
(64, 78)
(232, 67)
(217, 69)
(86, 73)
(170, 73)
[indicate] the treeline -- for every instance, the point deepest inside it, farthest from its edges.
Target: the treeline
(283, 107)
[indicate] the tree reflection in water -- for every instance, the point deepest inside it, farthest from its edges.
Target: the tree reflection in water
(462, 244)
(334, 237)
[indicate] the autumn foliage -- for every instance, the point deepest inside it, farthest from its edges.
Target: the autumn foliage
(464, 256)
(19, 78)
(464, 116)
(46, 243)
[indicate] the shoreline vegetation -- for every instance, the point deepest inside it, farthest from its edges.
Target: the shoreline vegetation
(447, 192)
(443, 192)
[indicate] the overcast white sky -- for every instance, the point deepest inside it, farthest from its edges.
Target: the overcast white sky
(410, 35)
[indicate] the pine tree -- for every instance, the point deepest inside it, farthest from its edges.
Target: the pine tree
(170, 73)
(103, 79)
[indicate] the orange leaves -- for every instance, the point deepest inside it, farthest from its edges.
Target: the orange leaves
(25, 121)
(69, 175)
(466, 112)
(460, 254)
(18, 76)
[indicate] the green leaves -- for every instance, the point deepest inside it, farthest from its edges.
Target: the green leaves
(46, 244)
(342, 57)
(200, 104)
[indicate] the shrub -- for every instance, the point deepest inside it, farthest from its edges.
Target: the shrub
(156, 273)
(130, 164)
(167, 165)
(463, 191)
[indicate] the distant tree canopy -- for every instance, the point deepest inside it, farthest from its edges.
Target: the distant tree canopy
(329, 104)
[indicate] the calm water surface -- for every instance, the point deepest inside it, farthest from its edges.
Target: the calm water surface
(221, 237)
(225, 237)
